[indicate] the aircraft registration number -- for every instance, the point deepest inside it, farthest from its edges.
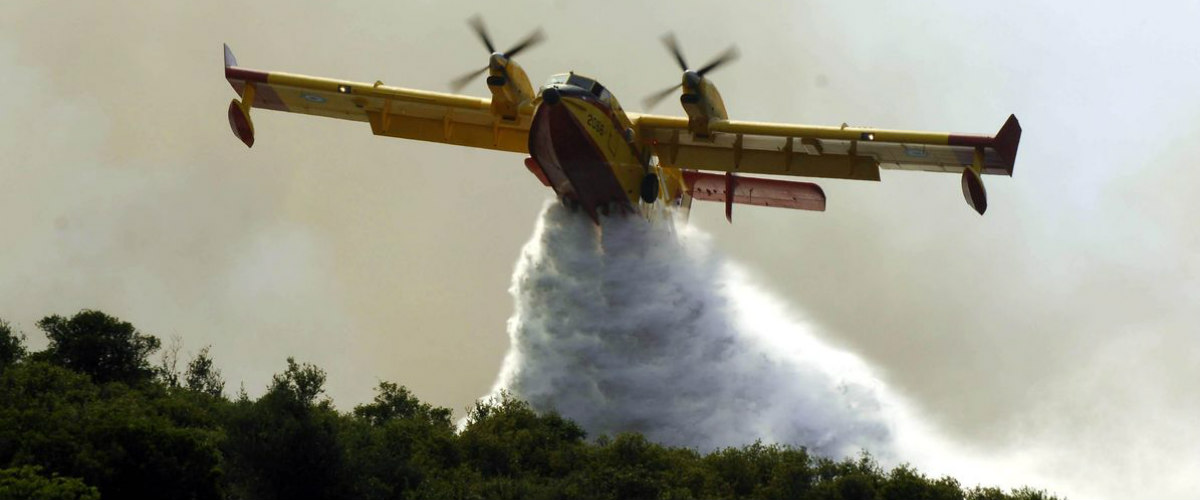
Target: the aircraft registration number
(595, 124)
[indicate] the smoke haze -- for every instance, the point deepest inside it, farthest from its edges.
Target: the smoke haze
(1061, 327)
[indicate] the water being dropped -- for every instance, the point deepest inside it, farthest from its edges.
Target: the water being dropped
(638, 327)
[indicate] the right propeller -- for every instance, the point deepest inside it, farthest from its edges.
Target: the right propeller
(498, 60)
(692, 79)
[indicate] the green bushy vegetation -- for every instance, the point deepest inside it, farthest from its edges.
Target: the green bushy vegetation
(91, 417)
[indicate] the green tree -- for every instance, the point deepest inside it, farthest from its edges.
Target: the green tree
(42, 420)
(12, 346)
(506, 437)
(904, 482)
(141, 442)
(630, 466)
(396, 443)
(202, 376)
(510, 451)
(735, 471)
(104, 347)
(287, 444)
(848, 479)
(395, 402)
(792, 476)
(90, 415)
(28, 483)
(1027, 493)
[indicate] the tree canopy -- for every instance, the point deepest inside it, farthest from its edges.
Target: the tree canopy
(104, 347)
(12, 346)
(90, 417)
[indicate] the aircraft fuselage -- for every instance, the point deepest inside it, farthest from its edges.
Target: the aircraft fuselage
(586, 147)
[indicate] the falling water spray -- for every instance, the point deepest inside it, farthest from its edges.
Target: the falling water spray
(633, 326)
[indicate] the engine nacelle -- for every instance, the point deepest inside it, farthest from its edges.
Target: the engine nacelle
(702, 103)
(509, 85)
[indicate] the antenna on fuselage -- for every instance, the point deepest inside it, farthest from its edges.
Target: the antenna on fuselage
(691, 78)
(498, 59)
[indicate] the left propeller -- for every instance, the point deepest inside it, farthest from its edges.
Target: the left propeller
(499, 60)
(691, 77)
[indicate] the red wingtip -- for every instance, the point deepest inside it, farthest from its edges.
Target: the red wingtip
(1007, 140)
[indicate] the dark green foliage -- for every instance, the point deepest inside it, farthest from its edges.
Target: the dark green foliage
(90, 416)
(28, 483)
(12, 346)
(203, 377)
(108, 349)
(129, 443)
(906, 483)
(286, 445)
(506, 438)
(629, 466)
(398, 445)
(1027, 493)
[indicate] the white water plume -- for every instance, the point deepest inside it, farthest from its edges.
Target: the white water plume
(640, 328)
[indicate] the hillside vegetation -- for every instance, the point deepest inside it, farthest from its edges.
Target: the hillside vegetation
(92, 416)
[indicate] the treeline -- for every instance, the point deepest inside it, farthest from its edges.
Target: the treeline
(92, 416)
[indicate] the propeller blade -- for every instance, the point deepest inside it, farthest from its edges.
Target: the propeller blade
(673, 45)
(476, 23)
(533, 39)
(653, 100)
(458, 83)
(729, 55)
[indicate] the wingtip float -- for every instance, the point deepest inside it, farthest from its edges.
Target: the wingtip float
(582, 144)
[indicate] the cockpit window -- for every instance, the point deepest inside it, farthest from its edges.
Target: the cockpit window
(558, 79)
(582, 82)
(590, 86)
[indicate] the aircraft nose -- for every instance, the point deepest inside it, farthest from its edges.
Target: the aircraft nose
(551, 96)
(498, 61)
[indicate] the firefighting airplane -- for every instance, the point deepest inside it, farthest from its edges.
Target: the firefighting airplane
(599, 158)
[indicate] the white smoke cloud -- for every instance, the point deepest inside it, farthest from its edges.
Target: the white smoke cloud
(643, 328)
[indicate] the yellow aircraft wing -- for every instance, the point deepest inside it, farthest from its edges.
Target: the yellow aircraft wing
(832, 152)
(814, 151)
(391, 111)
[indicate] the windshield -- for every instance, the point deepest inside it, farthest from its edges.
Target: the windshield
(587, 84)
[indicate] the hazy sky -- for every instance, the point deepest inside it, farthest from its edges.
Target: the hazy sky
(1065, 320)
